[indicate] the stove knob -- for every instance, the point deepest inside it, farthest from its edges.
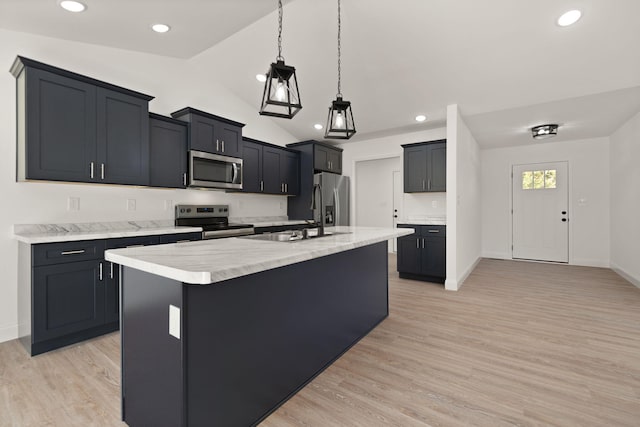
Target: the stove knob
(182, 210)
(188, 210)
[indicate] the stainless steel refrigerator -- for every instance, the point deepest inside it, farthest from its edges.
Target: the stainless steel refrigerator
(334, 207)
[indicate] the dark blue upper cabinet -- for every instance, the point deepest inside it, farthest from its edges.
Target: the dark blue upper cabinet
(425, 167)
(75, 128)
(269, 168)
(211, 133)
(167, 152)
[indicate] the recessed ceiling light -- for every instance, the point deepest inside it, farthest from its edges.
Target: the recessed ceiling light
(317, 126)
(72, 6)
(261, 78)
(160, 28)
(421, 118)
(569, 18)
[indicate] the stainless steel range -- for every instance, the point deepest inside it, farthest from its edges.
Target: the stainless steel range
(214, 220)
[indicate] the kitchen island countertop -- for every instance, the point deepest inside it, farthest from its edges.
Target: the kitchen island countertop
(210, 261)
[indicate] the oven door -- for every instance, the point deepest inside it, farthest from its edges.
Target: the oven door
(214, 171)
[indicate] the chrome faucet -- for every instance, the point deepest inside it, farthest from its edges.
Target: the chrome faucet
(316, 188)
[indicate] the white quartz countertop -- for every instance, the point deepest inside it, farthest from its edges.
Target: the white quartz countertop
(49, 233)
(210, 261)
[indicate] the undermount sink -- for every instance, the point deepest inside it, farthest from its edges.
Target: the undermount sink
(293, 235)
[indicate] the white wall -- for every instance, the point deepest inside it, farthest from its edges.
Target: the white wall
(625, 200)
(463, 200)
(175, 84)
(389, 147)
(588, 196)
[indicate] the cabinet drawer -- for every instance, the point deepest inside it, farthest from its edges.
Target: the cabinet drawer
(182, 237)
(433, 230)
(126, 242)
(59, 253)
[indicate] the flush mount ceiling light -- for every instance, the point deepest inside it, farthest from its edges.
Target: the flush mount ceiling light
(340, 123)
(318, 126)
(160, 28)
(421, 118)
(544, 131)
(73, 6)
(261, 78)
(569, 18)
(281, 97)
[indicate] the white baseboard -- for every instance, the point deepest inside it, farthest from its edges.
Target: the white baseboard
(496, 255)
(590, 263)
(8, 333)
(454, 285)
(634, 280)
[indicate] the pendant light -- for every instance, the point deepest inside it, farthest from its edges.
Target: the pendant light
(281, 97)
(340, 123)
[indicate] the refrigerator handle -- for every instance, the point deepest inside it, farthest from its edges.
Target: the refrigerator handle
(336, 203)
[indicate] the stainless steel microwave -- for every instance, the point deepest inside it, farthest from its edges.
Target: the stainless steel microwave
(208, 170)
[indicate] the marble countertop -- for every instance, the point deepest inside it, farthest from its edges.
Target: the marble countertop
(210, 261)
(424, 220)
(50, 233)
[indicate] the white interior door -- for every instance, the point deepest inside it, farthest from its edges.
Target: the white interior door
(541, 212)
(398, 191)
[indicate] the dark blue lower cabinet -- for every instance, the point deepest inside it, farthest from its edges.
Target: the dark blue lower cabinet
(422, 255)
(247, 344)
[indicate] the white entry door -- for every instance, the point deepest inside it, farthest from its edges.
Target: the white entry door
(541, 212)
(398, 191)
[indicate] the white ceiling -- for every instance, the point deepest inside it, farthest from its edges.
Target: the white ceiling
(505, 63)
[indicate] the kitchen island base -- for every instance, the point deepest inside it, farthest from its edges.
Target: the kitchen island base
(246, 345)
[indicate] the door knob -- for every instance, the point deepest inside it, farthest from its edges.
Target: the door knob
(395, 216)
(564, 219)
(564, 212)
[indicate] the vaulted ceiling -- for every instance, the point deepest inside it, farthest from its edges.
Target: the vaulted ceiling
(507, 64)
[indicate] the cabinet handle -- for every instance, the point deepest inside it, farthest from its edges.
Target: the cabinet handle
(282, 187)
(417, 243)
(110, 270)
(79, 251)
(91, 169)
(261, 186)
(217, 145)
(183, 241)
(422, 243)
(286, 188)
(423, 184)
(134, 246)
(101, 170)
(434, 231)
(100, 272)
(223, 145)
(429, 184)
(184, 179)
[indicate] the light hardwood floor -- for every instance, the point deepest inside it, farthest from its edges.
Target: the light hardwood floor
(524, 344)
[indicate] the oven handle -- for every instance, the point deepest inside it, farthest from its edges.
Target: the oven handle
(227, 233)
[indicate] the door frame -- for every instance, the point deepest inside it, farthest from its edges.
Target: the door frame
(354, 161)
(569, 204)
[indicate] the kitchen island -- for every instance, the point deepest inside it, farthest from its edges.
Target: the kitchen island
(222, 332)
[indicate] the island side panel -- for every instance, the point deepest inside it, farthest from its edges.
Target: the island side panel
(152, 368)
(254, 341)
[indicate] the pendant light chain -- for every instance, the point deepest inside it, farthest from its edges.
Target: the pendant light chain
(280, 31)
(339, 52)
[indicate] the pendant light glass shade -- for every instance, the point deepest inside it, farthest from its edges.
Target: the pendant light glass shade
(281, 97)
(340, 123)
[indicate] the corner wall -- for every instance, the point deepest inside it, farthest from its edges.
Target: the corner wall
(463, 200)
(625, 200)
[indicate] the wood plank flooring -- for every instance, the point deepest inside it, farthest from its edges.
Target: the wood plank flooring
(524, 344)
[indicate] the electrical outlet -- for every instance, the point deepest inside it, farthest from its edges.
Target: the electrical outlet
(73, 204)
(131, 204)
(434, 203)
(168, 205)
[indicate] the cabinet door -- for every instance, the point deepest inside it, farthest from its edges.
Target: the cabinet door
(271, 158)
(205, 134)
(123, 138)
(415, 164)
(167, 154)
(409, 254)
(437, 167)
(251, 167)
(230, 140)
(434, 256)
(67, 298)
(291, 173)
(60, 120)
(320, 158)
(335, 161)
